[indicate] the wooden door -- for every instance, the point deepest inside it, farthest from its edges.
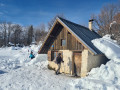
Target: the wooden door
(77, 63)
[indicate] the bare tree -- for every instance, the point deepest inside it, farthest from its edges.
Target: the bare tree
(40, 33)
(115, 28)
(106, 16)
(4, 27)
(117, 18)
(17, 32)
(50, 23)
(1, 39)
(9, 31)
(24, 36)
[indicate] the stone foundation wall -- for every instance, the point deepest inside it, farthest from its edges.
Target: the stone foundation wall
(66, 67)
(84, 63)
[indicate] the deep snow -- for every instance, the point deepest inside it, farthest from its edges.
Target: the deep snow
(18, 72)
(105, 77)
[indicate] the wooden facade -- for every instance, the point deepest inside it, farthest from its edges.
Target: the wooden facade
(75, 52)
(71, 43)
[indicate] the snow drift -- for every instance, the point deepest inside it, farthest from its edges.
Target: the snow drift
(106, 77)
(108, 47)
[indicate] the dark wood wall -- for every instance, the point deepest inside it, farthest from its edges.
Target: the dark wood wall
(71, 42)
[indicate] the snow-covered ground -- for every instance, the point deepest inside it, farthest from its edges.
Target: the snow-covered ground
(18, 72)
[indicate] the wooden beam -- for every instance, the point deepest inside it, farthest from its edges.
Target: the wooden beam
(72, 63)
(52, 36)
(76, 50)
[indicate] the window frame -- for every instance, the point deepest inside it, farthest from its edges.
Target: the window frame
(63, 42)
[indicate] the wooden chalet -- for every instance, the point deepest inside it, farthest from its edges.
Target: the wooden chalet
(74, 42)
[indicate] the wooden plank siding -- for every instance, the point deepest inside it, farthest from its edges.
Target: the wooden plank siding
(74, 36)
(71, 42)
(69, 46)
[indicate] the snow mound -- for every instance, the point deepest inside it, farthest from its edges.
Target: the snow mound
(15, 57)
(106, 77)
(38, 59)
(109, 47)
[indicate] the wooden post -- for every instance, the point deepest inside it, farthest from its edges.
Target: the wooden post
(72, 63)
(49, 55)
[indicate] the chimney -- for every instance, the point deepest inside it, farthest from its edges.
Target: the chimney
(90, 24)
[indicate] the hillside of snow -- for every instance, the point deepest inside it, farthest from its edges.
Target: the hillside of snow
(19, 72)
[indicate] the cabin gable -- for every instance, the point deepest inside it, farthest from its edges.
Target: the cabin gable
(77, 37)
(65, 41)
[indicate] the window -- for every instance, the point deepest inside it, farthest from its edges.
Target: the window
(63, 42)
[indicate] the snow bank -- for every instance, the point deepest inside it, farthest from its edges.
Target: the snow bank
(39, 59)
(108, 47)
(106, 77)
(16, 57)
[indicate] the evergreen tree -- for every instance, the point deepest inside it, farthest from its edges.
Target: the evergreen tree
(30, 35)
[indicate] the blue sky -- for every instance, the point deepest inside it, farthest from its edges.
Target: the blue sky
(35, 12)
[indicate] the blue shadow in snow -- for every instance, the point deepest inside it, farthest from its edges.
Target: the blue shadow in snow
(17, 67)
(2, 72)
